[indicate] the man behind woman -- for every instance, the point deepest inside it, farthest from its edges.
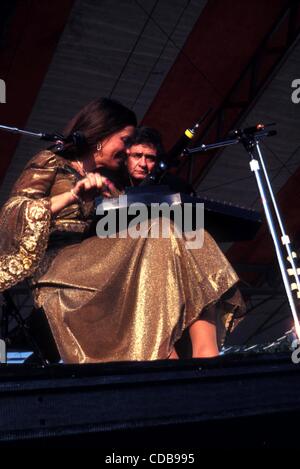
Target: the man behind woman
(107, 299)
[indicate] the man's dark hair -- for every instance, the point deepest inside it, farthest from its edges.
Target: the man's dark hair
(147, 136)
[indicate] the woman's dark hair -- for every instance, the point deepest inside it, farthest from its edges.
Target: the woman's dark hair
(148, 136)
(94, 122)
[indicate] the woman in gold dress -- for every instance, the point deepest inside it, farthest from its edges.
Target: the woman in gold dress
(111, 299)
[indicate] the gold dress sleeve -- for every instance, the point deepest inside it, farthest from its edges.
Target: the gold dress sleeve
(25, 221)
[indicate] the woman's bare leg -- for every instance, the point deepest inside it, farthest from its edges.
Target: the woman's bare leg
(203, 336)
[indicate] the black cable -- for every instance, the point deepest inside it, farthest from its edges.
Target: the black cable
(233, 181)
(283, 163)
(133, 48)
(181, 51)
(161, 53)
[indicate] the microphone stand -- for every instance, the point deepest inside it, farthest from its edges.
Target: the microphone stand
(250, 140)
(171, 158)
(29, 133)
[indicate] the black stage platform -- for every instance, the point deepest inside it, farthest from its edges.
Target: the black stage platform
(232, 401)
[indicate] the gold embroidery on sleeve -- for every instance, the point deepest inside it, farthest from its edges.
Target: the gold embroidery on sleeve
(15, 267)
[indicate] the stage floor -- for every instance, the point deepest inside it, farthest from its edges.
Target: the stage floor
(169, 398)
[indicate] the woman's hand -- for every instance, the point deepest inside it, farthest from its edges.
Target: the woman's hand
(86, 189)
(89, 187)
(92, 185)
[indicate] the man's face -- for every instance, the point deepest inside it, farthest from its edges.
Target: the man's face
(141, 159)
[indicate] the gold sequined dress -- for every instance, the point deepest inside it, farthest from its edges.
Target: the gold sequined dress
(107, 299)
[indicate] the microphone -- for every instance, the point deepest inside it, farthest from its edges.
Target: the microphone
(179, 148)
(171, 158)
(61, 142)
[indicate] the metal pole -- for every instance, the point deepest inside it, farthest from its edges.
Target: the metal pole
(250, 138)
(255, 167)
(284, 237)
